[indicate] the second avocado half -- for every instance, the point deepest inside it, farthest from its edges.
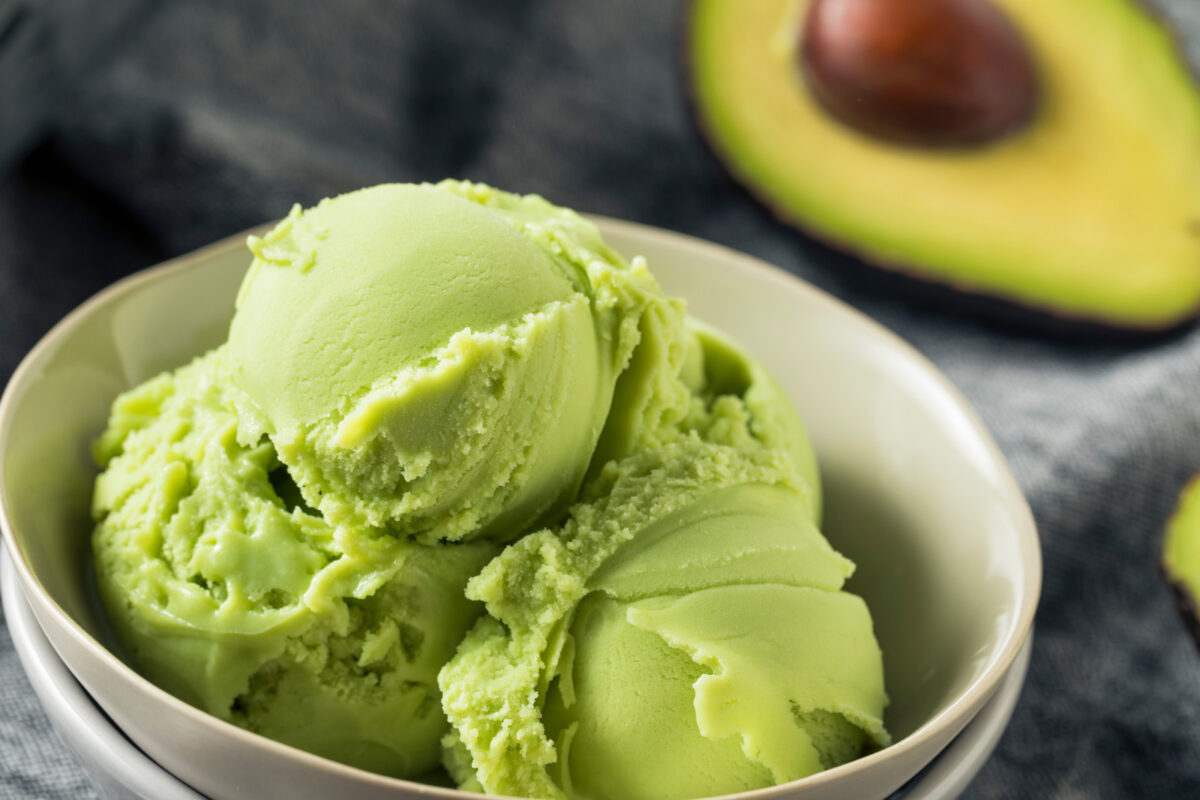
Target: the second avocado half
(1090, 210)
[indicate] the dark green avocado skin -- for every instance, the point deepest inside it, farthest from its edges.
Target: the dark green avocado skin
(1185, 601)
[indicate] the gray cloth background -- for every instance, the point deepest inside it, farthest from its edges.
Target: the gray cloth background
(150, 130)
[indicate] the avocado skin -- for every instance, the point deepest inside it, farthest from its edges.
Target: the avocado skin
(908, 281)
(1185, 601)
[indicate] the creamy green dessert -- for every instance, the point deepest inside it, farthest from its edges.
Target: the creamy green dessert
(229, 592)
(464, 488)
(683, 634)
(439, 361)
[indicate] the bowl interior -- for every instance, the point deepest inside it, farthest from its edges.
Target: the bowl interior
(114, 341)
(916, 493)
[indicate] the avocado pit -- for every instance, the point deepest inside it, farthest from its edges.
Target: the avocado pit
(927, 73)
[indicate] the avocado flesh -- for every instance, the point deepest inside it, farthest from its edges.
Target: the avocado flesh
(1181, 555)
(1092, 211)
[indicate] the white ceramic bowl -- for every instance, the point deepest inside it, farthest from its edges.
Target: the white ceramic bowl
(122, 772)
(916, 493)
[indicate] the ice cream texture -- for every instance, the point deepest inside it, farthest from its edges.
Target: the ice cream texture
(465, 488)
(683, 634)
(436, 361)
(227, 591)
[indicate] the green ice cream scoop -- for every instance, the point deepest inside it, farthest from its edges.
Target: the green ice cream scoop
(684, 634)
(439, 360)
(227, 590)
(297, 531)
(686, 379)
(735, 401)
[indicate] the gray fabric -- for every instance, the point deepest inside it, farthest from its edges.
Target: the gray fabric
(206, 118)
(33, 762)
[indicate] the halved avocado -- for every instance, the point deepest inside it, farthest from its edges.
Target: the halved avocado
(1090, 211)
(1181, 555)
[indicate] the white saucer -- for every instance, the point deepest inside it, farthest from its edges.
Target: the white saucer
(119, 770)
(122, 772)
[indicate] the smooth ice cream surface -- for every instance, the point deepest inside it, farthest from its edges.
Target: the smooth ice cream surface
(437, 360)
(465, 487)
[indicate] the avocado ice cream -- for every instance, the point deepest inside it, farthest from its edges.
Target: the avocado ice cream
(683, 634)
(437, 361)
(226, 590)
(465, 488)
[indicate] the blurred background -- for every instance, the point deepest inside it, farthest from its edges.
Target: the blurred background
(134, 131)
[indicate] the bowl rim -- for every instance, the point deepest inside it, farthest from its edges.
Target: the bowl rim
(950, 720)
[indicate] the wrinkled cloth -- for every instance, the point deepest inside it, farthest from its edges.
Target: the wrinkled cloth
(192, 121)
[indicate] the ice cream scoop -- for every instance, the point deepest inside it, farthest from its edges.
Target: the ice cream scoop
(439, 360)
(407, 367)
(228, 591)
(683, 634)
(737, 402)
